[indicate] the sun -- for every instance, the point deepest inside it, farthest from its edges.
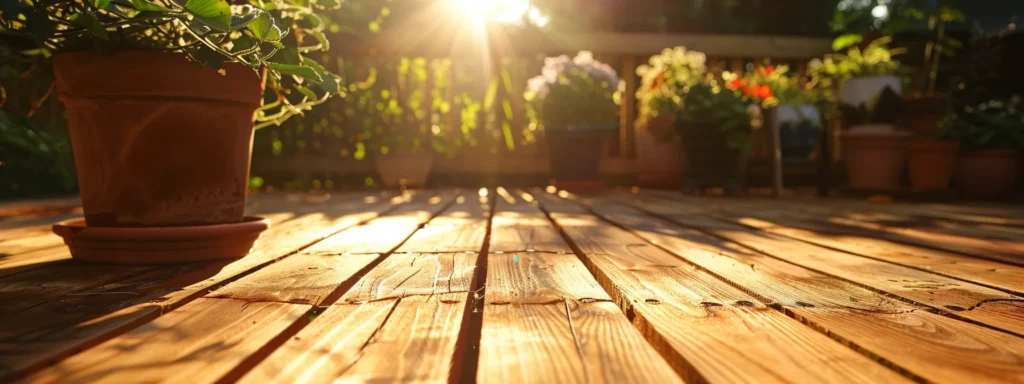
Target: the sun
(515, 12)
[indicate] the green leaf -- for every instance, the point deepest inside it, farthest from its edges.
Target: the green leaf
(263, 28)
(215, 13)
(100, 4)
(306, 92)
(846, 41)
(322, 38)
(89, 22)
(239, 21)
(296, 70)
(145, 5)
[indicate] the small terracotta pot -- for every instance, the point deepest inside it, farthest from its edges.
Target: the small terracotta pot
(874, 160)
(408, 170)
(931, 163)
(575, 152)
(158, 140)
(989, 174)
(661, 155)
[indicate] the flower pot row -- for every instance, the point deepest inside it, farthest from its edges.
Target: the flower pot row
(875, 161)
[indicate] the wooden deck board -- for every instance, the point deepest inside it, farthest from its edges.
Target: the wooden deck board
(708, 330)
(922, 344)
(61, 327)
(276, 285)
(944, 294)
(405, 315)
(429, 287)
(532, 305)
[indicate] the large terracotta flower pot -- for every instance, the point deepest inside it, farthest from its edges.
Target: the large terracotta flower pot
(874, 159)
(661, 157)
(575, 153)
(710, 162)
(407, 170)
(931, 163)
(989, 174)
(159, 140)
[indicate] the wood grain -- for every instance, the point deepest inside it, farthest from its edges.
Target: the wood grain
(920, 343)
(942, 293)
(58, 328)
(532, 303)
(708, 330)
(203, 339)
(400, 322)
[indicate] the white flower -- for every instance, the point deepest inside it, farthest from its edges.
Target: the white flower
(584, 58)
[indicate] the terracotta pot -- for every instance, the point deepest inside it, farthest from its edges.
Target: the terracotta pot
(158, 140)
(710, 162)
(874, 159)
(931, 163)
(989, 174)
(661, 157)
(921, 114)
(407, 170)
(576, 153)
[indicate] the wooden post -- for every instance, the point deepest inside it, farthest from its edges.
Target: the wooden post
(772, 121)
(628, 109)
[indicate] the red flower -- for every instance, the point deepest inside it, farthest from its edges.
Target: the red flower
(769, 70)
(745, 90)
(658, 81)
(762, 91)
(736, 84)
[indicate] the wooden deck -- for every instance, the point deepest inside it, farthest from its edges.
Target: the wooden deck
(526, 286)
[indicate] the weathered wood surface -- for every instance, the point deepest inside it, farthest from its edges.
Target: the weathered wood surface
(278, 285)
(950, 296)
(707, 329)
(993, 274)
(546, 319)
(902, 335)
(400, 321)
(462, 285)
(88, 315)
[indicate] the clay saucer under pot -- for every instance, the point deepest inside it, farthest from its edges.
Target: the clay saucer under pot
(160, 245)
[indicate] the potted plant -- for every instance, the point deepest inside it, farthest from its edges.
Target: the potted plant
(866, 90)
(991, 134)
(663, 82)
(574, 102)
(792, 109)
(716, 121)
(162, 98)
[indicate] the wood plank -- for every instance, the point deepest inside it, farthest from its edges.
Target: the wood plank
(331, 343)
(461, 228)
(924, 345)
(206, 338)
(265, 284)
(400, 322)
(60, 327)
(985, 272)
(1006, 277)
(532, 304)
(1007, 249)
(708, 330)
(952, 297)
(315, 275)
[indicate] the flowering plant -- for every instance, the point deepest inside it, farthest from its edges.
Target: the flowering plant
(876, 59)
(732, 113)
(666, 79)
(576, 92)
(771, 85)
(997, 123)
